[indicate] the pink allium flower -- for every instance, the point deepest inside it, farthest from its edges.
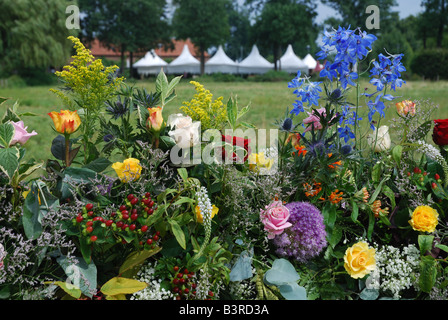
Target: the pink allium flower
(275, 219)
(21, 135)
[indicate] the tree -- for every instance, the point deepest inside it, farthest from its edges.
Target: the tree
(129, 26)
(33, 34)
(433, 21)
(283, 22)
(205, 22)
(239, 40)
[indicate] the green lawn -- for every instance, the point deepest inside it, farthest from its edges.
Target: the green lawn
(268, 100)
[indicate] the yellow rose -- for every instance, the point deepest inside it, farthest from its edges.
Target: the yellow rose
(128, 170)
(359, 260)
(258, 160)
(424, 218)
(65, 122)
(199, 213)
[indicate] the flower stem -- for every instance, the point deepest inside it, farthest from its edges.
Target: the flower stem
(67, 150)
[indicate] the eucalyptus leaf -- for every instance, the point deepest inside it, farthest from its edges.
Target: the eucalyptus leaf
(282, 272)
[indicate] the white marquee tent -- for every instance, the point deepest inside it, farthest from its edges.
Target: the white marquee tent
(220, 62)
(151, 63)
(291, 63)
(254, 63)
(310, 62)
(184, 63)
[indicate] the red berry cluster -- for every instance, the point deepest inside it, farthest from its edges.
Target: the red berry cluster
(183, 285)
(128, 222)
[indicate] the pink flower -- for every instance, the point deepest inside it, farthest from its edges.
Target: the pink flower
(21, 135)
(314, 119)
(275, 219)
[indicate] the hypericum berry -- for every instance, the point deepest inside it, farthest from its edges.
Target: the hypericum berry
(132, 227)
(89, 223)
(151, 203)
(93, 238)
(436, 176)
(109, 223)
(89, 229)
(125, 215)
(149, 241)
(122, 207)
(210, 293)
(130, 197)
(434, 185)
(134, 217)
(417, 170)
(90, 213)
(155, 237)
(89, 206)
(175, 281)
(125, 226)
(146, 202)
(113, 214)
(176, 268)
(120, 224)
(147, 195)
(193, 285)
(186, 290)
(79, 219)
(144, 228)
(185, 271)
(180, 275)
(98, 219)
(134, 201)
(158, 234)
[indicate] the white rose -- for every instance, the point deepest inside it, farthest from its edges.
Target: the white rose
(184, 131)
(178, 121)
(382, 139)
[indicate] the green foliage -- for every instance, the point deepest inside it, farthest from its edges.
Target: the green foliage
(431, 63)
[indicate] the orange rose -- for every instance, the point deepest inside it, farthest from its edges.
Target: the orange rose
(155, 120)
(65, 122)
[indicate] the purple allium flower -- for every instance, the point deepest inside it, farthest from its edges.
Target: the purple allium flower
(306, 237)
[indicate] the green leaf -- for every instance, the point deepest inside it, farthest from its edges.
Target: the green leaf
(292, 291)
(137, 258)
(428, 274)
(178, 233)
(98, 165)
(390, 194)
(397, 152)
(70, 289)
(425, 243)
(74, 176)
(183, 174)
(355, 211)
(121, 286)
(81, 274)
(232, 112)
(442, 247)
(7, 131)
(281, 273)
(38, 203)
(9, 161)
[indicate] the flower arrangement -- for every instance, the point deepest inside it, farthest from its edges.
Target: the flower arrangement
(343, 206)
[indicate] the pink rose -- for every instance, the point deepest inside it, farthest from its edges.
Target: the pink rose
(275, 219)
(21, 135)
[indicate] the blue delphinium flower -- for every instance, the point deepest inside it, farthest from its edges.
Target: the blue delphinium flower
(346, 133)
(351, 46)
(387, 71)
(306, 90)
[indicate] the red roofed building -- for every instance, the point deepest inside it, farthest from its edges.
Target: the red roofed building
(101, 51)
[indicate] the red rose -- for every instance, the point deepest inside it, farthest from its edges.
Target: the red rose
(440, 133)
(239, 142)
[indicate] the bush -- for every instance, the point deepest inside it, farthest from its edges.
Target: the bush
(431, 63)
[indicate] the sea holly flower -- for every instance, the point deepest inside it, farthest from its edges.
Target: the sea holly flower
(128, 170)
(21, 135)
(65, 122)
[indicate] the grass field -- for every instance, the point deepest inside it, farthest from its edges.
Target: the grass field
(268, 101)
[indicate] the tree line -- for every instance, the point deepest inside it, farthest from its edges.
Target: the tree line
(32, 40)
